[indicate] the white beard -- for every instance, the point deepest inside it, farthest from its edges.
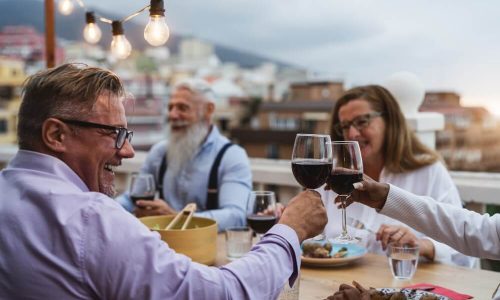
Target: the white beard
(182, 146)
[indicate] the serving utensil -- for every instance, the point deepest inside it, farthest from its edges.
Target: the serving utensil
(186, 211)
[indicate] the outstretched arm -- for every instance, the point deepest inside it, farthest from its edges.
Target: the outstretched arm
(467, 231)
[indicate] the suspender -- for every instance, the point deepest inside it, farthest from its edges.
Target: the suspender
(212, 189)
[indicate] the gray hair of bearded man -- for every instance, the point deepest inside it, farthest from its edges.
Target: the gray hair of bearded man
(198, 87)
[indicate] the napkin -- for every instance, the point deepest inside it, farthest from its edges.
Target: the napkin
(441, 291)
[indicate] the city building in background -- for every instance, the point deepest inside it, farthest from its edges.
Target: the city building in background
(305, 108)
(470, 140)
(11, 78)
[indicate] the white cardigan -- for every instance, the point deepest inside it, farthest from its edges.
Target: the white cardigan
(465, 230)
(433, 181)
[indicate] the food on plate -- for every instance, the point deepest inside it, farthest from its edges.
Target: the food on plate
(341, 253)
(319, 250)
(316, 250)
(383, 294)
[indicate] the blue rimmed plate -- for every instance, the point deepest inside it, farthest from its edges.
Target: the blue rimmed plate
(354, 252)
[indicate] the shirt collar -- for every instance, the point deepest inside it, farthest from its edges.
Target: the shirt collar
(25, 159)
(212, 136)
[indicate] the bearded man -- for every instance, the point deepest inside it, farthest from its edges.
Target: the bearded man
(194, 155)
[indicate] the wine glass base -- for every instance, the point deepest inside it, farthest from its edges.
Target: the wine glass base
(346, 239)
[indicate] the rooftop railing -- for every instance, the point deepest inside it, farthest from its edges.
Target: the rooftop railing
(476, 189)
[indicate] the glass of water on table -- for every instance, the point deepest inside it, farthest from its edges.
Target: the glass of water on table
(403, 260)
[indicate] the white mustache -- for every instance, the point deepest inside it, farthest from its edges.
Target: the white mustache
(178, 123)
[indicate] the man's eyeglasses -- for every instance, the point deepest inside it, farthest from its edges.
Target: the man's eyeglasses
(122, 133)
(359, 123)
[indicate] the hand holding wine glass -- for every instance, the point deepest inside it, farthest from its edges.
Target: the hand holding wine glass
(347, 168)
(312, 161)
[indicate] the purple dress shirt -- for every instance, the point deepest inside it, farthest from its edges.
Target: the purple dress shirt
(58, 240)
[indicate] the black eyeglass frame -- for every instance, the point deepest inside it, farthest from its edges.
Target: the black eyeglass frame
(122, 133)
(365, 119)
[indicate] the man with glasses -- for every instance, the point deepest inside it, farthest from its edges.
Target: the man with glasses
(197, 163)
(63, 237)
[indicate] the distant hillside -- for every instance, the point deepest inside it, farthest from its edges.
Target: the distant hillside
(31, 12)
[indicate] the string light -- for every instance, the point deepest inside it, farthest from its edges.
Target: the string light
(91, 33)
(65, 7)
(156, 31)
(120, 46)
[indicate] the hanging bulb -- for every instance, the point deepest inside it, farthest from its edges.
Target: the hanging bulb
(91, 32)
(65, 7)
(120, 46)
(156, 32)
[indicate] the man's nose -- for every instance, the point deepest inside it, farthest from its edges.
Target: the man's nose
(127, 151)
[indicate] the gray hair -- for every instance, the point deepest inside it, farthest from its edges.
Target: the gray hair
(198, 87)
(67, 91)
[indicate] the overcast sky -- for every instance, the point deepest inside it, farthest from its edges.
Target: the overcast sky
(451, 45)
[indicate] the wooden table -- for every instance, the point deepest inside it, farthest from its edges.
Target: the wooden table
(373, 271)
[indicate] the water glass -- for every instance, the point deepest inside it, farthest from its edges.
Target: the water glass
(403, 260)
(238, 241)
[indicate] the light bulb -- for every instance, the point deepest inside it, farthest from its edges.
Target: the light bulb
(65, 7)
(156, 32)
(92, 33)
(120, 47)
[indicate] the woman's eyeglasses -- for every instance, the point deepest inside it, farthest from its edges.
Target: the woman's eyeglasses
(359, 123)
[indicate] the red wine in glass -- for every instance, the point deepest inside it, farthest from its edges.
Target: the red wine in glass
(312, 161)
(261, 223)
(262, 214)
(311, 174)
(136, 198)
(342, 182)
(347, 168)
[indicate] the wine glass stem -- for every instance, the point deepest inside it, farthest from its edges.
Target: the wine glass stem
(344, 218)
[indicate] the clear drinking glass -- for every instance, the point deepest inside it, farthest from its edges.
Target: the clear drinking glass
(347, 168)
(142, 187)
(262, 214)
(403, 260)
(238, 241)
(312, 161)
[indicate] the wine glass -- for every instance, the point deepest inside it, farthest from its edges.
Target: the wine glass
(262, 214)
(347, 168)
(142, 187)
(312, 162)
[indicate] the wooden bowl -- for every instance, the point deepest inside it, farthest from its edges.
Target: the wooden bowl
(198, 240)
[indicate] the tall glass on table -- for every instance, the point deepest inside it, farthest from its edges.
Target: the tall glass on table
(312, 162)
(347, 169)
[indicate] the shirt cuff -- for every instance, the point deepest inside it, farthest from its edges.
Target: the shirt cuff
(291, 237)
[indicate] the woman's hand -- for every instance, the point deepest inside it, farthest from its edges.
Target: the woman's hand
(403, 235)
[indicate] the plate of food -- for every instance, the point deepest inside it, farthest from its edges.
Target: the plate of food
(327, 254)
(407, 294)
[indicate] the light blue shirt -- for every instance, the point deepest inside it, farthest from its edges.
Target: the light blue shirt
(58, 240)
(234, 181)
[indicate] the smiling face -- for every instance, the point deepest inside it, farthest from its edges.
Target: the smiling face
(370, 138)
(91, 151)
(185, 109)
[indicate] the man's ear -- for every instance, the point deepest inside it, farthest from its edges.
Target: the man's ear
(210, 108)
(55, 134)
